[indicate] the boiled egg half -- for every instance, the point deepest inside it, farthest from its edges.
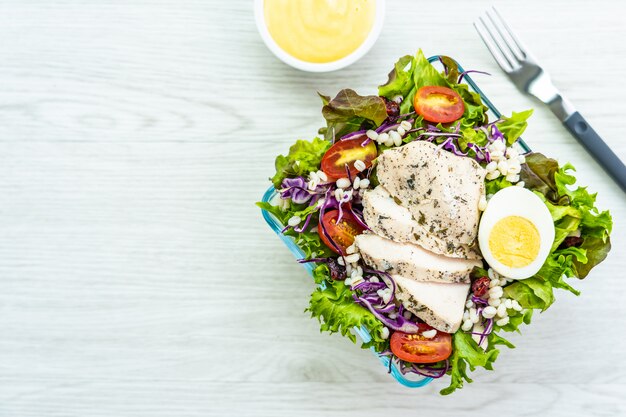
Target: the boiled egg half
(515, 233)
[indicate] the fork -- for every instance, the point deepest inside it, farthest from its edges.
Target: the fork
(528, 75)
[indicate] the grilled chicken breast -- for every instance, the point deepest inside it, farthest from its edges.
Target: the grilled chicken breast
(387, 218)
(440, 190)
(412, 261)
(439, 305)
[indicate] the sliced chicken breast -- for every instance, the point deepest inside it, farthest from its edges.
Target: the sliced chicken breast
(387, 218)
(439, 305)
(441, 190)
(412, 261)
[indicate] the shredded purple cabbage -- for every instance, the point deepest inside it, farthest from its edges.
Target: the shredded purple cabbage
(359, 218)
(384, 128)
(367, 286)
(405, 115)
(449, 145)
(302, 228)
(370, 299)
(482, 155)
(353, 135)
(426, 370)
(478, 300)
(296, 189)
(399, 324)
(464, 73)
(496, 134)
(445, 67)
(328, 202)
(488, 329)
(306, 261)
(488, 324)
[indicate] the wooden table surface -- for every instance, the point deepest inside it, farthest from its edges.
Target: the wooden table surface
(137, 277)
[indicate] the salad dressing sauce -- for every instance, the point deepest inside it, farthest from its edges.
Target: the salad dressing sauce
(319, 30)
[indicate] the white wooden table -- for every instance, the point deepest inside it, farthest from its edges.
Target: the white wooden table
(137, 278)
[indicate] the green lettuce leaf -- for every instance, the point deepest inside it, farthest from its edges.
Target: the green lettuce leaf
(467, 354)
(533, 293)
(337, 312)
(400, 80)
(469, 135)
(425, 74)
(558, 265)
(349, 112)
(513, 127)
(475, 113)
(452, 69)
(573, 211)
(538, 175)
(578, 197)
(594, 223)
(495, 340)
(493, 186)
(597, 225)
(303, 157)
(596, 251)
(409, 74)
(516, 319)
(566, 221)
(321, 274)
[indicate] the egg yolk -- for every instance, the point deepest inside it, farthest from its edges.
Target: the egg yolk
(514, 241)
(319, 30)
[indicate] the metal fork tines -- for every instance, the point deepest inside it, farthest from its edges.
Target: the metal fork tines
(519, 64)
(526, 73)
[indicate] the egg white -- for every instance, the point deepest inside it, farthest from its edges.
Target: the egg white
(516, 201)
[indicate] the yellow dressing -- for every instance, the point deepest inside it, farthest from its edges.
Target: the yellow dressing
(319, 30)
(514, 241)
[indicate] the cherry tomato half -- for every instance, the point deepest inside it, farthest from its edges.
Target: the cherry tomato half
(341, 233)
(438, 104)
(416, 348)
(347, 152)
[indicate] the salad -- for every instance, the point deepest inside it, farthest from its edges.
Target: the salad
(430, 225)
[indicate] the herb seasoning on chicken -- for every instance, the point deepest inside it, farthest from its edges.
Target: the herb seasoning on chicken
(423, 219)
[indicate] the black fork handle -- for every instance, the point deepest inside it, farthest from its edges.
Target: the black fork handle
(584, 133)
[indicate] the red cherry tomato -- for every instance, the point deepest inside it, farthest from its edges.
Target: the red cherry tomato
(438, 104)
(341, 233)
(346, 152)
(416, 348)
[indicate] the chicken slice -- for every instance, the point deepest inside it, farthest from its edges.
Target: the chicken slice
(441, 190)
(387, 218)
(412, 261)
(439, 305)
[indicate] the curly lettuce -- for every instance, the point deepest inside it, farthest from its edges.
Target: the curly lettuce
(304, 156)
(333, 305)
(574, 213)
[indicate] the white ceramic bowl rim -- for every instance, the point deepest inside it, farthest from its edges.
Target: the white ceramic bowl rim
(314, 66)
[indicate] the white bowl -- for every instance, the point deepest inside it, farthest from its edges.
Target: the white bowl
(315, 66)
